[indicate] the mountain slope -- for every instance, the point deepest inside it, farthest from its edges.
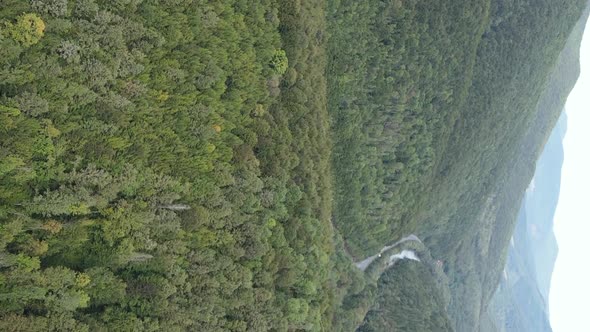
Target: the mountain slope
(220, 165)
(514, 143)
(479, 164)
(521, 301)
(535, 249)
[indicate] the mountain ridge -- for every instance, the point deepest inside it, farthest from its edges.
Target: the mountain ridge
(521, 300)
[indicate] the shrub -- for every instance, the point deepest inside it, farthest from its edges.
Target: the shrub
(279, 62)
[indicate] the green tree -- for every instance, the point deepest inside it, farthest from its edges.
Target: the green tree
(28, 29)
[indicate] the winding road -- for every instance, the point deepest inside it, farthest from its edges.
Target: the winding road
(362, 265)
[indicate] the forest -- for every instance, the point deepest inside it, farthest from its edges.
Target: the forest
(194, 165)
(408, 300)
(164, 166)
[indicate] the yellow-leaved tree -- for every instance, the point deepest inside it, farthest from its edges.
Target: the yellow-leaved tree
(27, 30)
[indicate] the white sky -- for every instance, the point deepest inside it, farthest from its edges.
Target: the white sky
(570, 287)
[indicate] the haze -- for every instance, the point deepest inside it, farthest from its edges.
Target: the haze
(570, 287)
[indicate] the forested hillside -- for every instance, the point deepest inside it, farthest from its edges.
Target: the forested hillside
(193, 165)
(164, 166)
(408, 300)
(393, 99)
(496, 143)
(521, 302)
(482, 160)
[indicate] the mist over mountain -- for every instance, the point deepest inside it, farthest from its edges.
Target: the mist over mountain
(540, 204)
(521, 301)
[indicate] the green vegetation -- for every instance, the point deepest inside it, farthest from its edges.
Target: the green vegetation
(27, 30)
(408, 300)
(448, 161)
(156, 171)
(217, 165)
(394, 98)
(499, 137)
(522, 305)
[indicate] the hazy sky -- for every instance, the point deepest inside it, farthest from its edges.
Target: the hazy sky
(570, 286)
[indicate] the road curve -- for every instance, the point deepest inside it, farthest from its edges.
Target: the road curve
(362, 265)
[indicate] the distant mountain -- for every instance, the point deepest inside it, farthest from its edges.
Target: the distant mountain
(450, 165)
(540, 203)
(521, 301)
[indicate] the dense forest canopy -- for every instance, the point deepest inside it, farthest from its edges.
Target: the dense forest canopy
(164, 166)
(220, 165)
(409, 300)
